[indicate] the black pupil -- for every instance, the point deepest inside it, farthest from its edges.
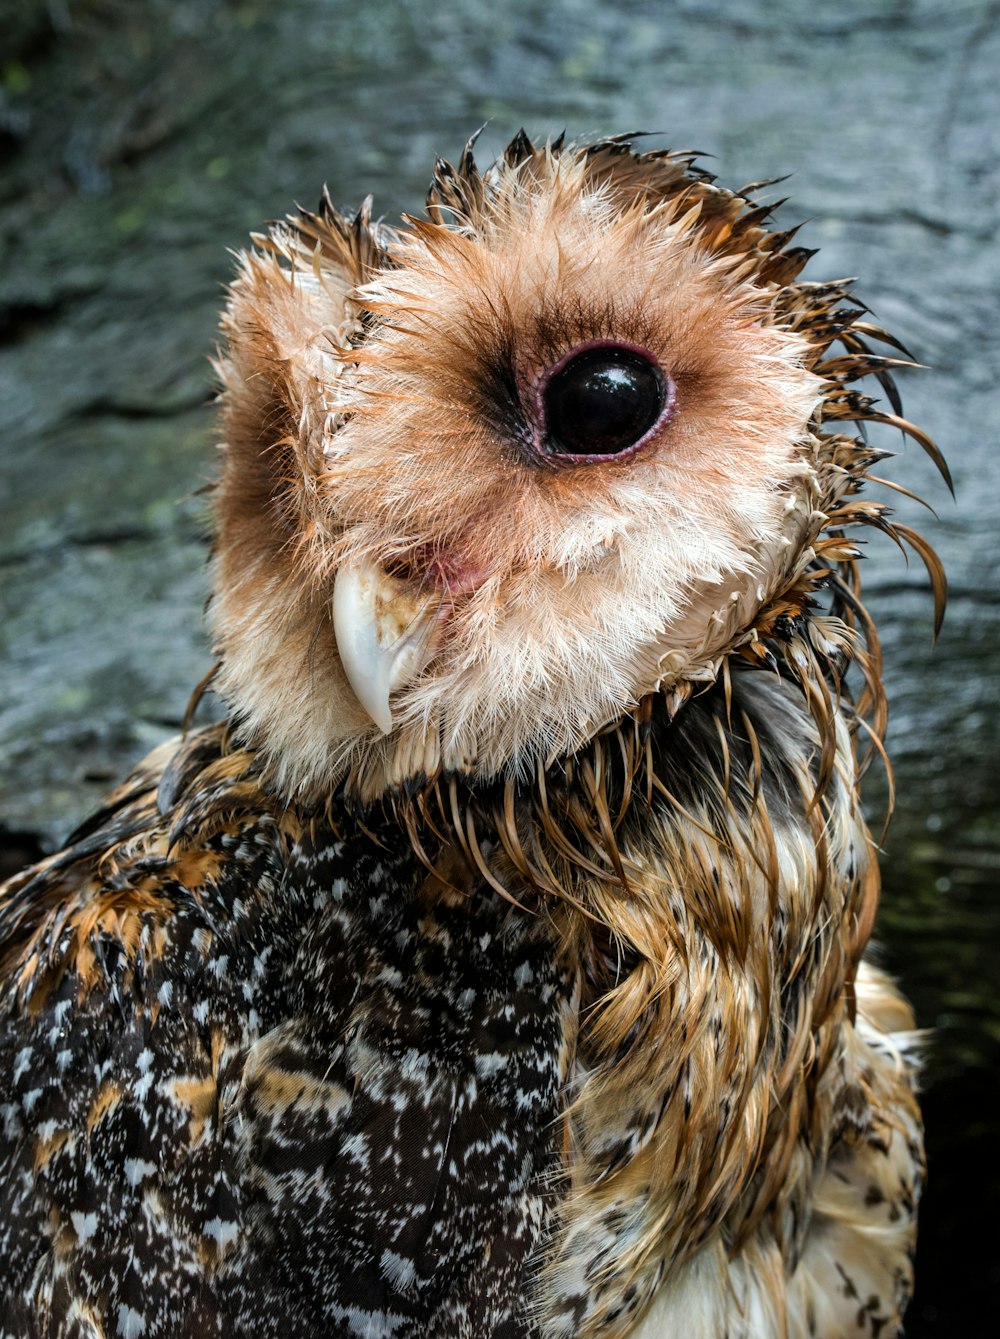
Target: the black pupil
(602, 402)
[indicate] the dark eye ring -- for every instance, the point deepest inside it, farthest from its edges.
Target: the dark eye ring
(601, 401)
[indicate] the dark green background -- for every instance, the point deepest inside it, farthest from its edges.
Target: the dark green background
(139, 139)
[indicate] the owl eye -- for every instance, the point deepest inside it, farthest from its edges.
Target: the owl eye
(602, 402)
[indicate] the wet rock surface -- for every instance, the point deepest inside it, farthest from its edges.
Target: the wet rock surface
(139, 142)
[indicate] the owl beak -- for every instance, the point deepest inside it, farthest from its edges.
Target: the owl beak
(383, 632)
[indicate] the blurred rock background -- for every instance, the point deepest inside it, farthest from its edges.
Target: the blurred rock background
(141, 139)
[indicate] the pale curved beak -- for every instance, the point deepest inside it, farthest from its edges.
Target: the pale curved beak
(384, 635)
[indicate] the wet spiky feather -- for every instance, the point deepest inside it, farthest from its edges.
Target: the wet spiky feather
(544, 1012)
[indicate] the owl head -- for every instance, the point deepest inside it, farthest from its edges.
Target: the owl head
(502, 477)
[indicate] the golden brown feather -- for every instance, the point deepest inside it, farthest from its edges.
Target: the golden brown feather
(610, 767)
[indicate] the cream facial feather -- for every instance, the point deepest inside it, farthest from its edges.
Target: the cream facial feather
(559, 595)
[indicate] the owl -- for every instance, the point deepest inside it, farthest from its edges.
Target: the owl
(495, 969)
